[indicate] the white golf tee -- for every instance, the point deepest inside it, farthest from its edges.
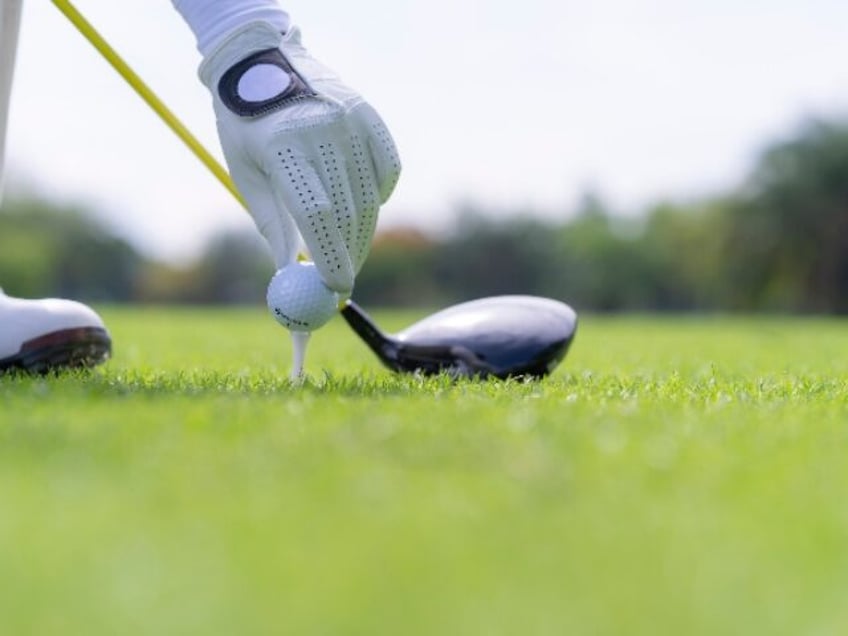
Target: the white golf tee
(299, 341)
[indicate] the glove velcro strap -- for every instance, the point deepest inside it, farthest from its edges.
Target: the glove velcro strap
(294, 90)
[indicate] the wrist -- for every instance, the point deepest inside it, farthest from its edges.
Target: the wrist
(213, 21)
(241, 43)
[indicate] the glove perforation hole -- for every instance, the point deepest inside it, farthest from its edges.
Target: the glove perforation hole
(362, 171)
(322, 235)
(331, 168)
(384, 137)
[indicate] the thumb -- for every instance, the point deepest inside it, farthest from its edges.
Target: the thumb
(274, 224)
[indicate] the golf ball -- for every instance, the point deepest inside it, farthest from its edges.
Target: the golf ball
(299, 299)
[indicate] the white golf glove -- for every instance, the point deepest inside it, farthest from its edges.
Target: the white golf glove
(306, 152)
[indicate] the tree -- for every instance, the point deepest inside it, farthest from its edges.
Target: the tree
(47, 249)
(787, 236)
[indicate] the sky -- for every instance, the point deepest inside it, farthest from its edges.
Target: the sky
(510, 106)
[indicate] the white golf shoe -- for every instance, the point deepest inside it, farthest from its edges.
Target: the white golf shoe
(50, 334)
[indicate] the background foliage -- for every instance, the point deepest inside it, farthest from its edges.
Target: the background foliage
(778, 242)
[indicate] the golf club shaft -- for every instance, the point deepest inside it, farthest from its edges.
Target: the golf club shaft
(10, 18)
(365, 328)
(150, 98)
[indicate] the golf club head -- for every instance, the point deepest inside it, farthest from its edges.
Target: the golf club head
(500, 336)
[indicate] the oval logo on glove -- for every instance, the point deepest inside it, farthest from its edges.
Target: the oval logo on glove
(263, 82)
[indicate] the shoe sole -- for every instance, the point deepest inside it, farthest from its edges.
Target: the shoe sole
(65, 349)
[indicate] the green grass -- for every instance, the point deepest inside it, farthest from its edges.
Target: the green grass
(675, 476)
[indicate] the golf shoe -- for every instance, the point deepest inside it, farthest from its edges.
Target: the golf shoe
(46, 335)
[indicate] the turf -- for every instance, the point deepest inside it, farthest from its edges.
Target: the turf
(675, 476)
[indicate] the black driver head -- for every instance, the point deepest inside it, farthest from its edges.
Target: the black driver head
(501, 336)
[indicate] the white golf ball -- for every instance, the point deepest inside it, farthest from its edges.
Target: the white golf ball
(298, 298)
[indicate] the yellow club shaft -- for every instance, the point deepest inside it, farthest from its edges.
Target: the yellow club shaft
(144, 91)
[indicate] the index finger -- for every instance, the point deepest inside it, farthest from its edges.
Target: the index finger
(303, 195)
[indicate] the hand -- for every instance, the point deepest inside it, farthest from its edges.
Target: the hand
(307, 153)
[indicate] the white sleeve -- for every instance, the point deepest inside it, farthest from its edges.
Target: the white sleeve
(212, 20)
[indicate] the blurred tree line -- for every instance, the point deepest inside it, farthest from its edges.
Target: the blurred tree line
(779, 242)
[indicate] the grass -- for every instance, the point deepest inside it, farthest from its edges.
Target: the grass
(674, 476)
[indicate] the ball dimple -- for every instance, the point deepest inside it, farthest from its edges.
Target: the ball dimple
(298, 298)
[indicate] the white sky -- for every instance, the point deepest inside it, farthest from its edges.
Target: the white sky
(506, 104)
